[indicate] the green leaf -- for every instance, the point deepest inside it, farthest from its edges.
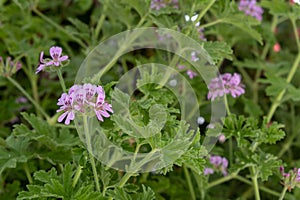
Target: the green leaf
(67, 179)
(16, 151)
(46, 134)
(66, 139)
(249, 63)
(157, 120)
(276, 7)
(120, 193)
(10, 190)
(140, 6)
(84, 5)
(293, 93)
(267, 164)
(192, 159)
(82, 30)
(32, 193)
(159, 183)
(270, 133)
(44, 176)
(253, 109)
(120, 100)
(241, 128)
(59, 186)
(87, 193)
(243, 161)
(244, 22)
(123, 11)
(245, 129)
(278, 84)
(218, 50)
(147, 194)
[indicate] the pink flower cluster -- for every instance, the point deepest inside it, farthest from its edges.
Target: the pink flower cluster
(225, 84)
(55, 53)
(219, 164)
(159, 4)
(251, 8)
(291, 179)
(84, 99)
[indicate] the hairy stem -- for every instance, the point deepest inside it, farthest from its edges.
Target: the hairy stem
(255, 183)
(283, 193)
(189, 182)
(290, 76)
(28, 175)
(279, 97)
(101, 20)
(77, 176)
(262, 188)
(61, 80)
(89, 148)
(221, 180)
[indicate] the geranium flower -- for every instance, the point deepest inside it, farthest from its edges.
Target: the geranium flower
(55, 53)
(84, 99)
(225, 84)
(251, 8)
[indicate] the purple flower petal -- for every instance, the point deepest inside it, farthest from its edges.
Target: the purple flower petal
(55, 52)
(63, 58)
(42, 57)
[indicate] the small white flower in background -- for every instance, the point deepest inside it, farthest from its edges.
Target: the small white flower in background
(173, 83)
(193, 18)
(200, 120)
(200, 30)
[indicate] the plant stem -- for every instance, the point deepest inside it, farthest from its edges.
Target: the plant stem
(50, 21)
(295, 29)
(136, 168)
(279, 97)
(101, 20)
(199, 184)
(61, 80)
(255, 183)
(204, 11)
(283, 193)
(89, 148)
(262, 188)
(37, 106)
(288, 144)
(221, 180)
(76, 176)
(211, 23)
(242, 179)
(291, 74)
(33, 82)
(230, 139)
(226, 105)
(28, 175)
(230, 143)
(124, 179)
(189, 182)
